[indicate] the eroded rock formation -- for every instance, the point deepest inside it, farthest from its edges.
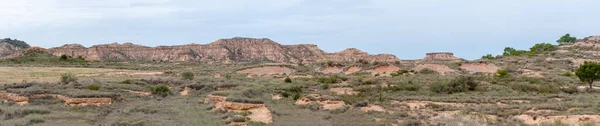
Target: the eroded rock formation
(440, 57)
(234, 50)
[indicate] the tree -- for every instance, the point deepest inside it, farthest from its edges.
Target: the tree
(488, 56)
(542, 47)
(588, 72)
(509, 51)
(566, 39)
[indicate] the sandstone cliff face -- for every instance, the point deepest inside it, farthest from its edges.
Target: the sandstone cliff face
(234, 50)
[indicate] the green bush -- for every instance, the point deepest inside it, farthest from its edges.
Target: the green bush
(297, 96)
(568, 74)
(93, 87)
(288, 80)
(502, 73)
(460, 84)
(67, 78)
(542, 47)
(161, 90)
(187, 75)
(566, 39)
(488, 56)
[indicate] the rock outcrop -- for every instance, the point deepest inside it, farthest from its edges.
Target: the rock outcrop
(440, 57)
(234, 50)
(10, 46)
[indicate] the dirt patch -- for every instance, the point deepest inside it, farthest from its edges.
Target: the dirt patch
(332, 70)
(262, 114)
(276, 97)
(239, 124)
(371, 107)
(568, 119)
(480, 68)
(259, 112)
(352, 70)
(385, 70)
(531, 73)
(186, 91)
(141, 93)
(442, 69)
(343, 91)
(121, 74)
(267, 70)
(215, 99)
(20, 100)
(303, 101)
(332, 105)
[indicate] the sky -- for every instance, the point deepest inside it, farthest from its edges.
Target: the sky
(405, 28)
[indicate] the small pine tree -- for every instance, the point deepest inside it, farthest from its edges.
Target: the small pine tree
(566, 39)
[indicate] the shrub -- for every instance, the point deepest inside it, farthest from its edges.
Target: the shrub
(297, 96)
(548, 90)
(524, 87)
(542, 47)
(63, 57)
(187, 75)
(566, 39)
(502, 73)
(93, 87)
(361, 104)
(568, 74)
(488, 56)
(288, 80)
(239, 119)
(161, 90)
(328, 80)
(427, 71)
(570, 90)
(407, 87)
(460, 84)
(324, 86)
(67, 78)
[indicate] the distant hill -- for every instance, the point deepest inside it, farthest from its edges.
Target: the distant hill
(10, 46)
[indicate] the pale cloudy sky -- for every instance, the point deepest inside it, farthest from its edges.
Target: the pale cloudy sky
(406, 28)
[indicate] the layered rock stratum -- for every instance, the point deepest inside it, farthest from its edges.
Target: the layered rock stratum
(234, 50)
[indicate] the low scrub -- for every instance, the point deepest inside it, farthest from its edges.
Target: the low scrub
(67, 78)
(460, 84)
(93, 87)
(187, 75)
(161, 90)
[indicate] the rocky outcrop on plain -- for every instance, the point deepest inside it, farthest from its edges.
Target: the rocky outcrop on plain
(440, 57)
(234, 50)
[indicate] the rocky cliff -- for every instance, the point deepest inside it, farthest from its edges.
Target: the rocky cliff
(440, 57)
(10, 46)
(234, 50)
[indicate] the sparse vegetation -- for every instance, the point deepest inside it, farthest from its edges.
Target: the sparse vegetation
(93, 87)
(67, 78)
(187, 75)
(161, 90)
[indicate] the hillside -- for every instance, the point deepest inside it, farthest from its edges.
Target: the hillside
(234, 50)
